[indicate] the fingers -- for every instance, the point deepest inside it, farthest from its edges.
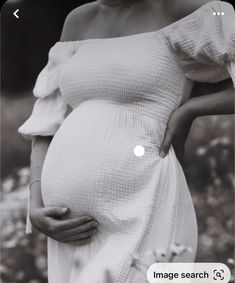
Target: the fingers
(88, 227)
(77, 231)
(81, 242)
(77, 235)
(80, 236)
(167, 141)
(74, 222)
(55, 210)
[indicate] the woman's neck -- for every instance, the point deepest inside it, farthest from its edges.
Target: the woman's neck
(118, 2)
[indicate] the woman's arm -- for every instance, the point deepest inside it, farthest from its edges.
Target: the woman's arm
(200, 89)
(179, 124)
(38, 152)
(218, 103)
(55, 221)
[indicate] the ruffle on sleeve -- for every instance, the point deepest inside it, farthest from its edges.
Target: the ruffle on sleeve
(50, 108)
(47, 115)
(204, 42)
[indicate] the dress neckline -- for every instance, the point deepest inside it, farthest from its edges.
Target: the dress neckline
(161, 30)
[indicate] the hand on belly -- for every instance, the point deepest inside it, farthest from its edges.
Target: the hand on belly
(52, 221)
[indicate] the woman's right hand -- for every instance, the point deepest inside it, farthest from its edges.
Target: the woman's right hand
(51, 222)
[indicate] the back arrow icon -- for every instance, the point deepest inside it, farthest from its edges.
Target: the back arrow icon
(15, 13)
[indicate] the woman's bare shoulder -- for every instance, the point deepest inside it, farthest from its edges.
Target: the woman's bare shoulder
(76, 21)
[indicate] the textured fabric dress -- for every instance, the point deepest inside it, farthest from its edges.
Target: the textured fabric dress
(122, 92)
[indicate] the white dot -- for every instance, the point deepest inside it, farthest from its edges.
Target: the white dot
(218, 13)
(222, 13)
(139, 150)
(214, 13)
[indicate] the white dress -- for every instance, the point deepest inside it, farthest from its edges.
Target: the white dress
(122, 92)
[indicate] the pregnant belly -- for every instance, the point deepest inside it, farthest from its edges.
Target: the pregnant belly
(90, 165)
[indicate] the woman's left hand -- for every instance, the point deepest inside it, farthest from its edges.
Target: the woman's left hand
(177, 131)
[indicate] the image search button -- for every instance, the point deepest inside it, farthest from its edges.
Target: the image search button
(206, 272)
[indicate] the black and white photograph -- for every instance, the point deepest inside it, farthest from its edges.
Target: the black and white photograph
(117, 140)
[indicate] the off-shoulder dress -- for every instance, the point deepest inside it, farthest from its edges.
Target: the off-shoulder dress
(122, 92)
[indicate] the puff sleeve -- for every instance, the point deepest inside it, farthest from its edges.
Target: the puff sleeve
(49, 109)
(204, 43)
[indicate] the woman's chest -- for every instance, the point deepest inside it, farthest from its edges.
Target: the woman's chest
(122, 69)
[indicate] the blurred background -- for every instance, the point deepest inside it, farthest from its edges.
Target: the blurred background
(208, 164)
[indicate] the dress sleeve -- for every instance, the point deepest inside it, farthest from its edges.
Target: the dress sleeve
(204, 43)
(49, 109)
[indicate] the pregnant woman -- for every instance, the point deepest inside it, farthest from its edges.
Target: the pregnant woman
(107, 187)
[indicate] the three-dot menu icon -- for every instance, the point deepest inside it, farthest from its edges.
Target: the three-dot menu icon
(218, 13)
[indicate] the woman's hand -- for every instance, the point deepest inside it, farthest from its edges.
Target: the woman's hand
(177, 131)
(179, 124)
(51, 222)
